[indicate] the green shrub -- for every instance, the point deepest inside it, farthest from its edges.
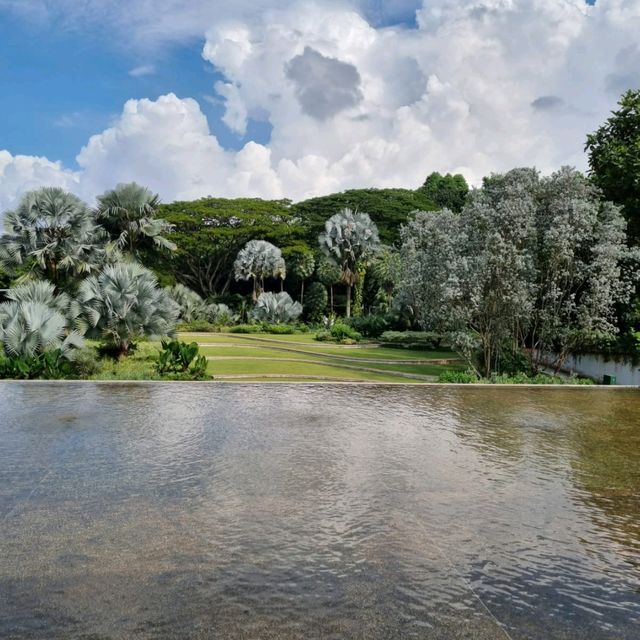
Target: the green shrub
(315, 301)
(514, 362)
(87, 362)
(458, 377)
(341, 331)
(323, 335)
(246, 328)
(280, 329)
(412, 339)
(49, 365)
(468, 377)
(198, 325)
(540, 378)
(179, 359)
(371, 325)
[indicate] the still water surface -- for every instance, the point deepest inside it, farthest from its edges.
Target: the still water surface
(300, 511)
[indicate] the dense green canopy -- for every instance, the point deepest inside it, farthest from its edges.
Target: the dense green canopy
(210, 232)
(447, 192)
(614, 159)
(388, 208)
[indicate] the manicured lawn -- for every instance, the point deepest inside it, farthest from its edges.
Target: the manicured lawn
(249, 352)
(281, 357)
(285, 367)
(383, 353)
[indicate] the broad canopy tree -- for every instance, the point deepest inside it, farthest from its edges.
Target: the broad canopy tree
(210, 232)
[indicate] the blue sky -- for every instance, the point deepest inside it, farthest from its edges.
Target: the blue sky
(294, 98)
(60, 87)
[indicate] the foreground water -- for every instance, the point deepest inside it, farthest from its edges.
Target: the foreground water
(276, 511)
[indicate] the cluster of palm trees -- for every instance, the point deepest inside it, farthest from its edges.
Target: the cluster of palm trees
(77, 271)
(348, 241)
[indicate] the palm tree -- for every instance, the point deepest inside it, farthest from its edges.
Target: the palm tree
(128, 213)
(385, 268)
(348, 239)
(302, 264)
(258, 260)
(328, 273)
(55, 234)
(35, 320)
(276, 308)
(124, 302)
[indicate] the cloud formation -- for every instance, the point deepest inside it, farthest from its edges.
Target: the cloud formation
(477, 86)
(324, 86)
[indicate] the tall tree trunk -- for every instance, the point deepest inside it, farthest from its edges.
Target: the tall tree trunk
(302, 293)
(331, 296)
(348, 301)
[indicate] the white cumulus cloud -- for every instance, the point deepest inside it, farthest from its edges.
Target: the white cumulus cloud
(478, 86)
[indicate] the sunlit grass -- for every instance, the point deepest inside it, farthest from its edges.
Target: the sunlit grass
(239, 354)
(286, 367)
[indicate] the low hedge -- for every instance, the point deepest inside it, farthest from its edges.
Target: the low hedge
(412, 339)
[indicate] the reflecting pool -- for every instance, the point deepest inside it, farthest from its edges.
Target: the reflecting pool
(171, 510)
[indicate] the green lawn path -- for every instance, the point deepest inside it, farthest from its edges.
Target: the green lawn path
(251, 357)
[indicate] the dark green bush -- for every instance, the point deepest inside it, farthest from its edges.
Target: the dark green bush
(198, 325)
(412, 339)
(341, 331)
(245, 328)
(181, 360)
(540, 378)
(458, 377)
(87, 362)
(279, 329)
(370, 326)
(315, 301)
(50, 365)
(467, 377)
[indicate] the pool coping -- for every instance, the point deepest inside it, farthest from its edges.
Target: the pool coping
(306, 381)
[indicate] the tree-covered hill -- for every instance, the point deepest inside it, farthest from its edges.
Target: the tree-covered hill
(388, 208)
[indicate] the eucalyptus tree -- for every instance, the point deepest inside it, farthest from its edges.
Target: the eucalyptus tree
(349, 238)
(54, 235)
(35, 319)
(529, 262)
(258, 260)
(579, 254)
(129, 214)
(124, 302)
